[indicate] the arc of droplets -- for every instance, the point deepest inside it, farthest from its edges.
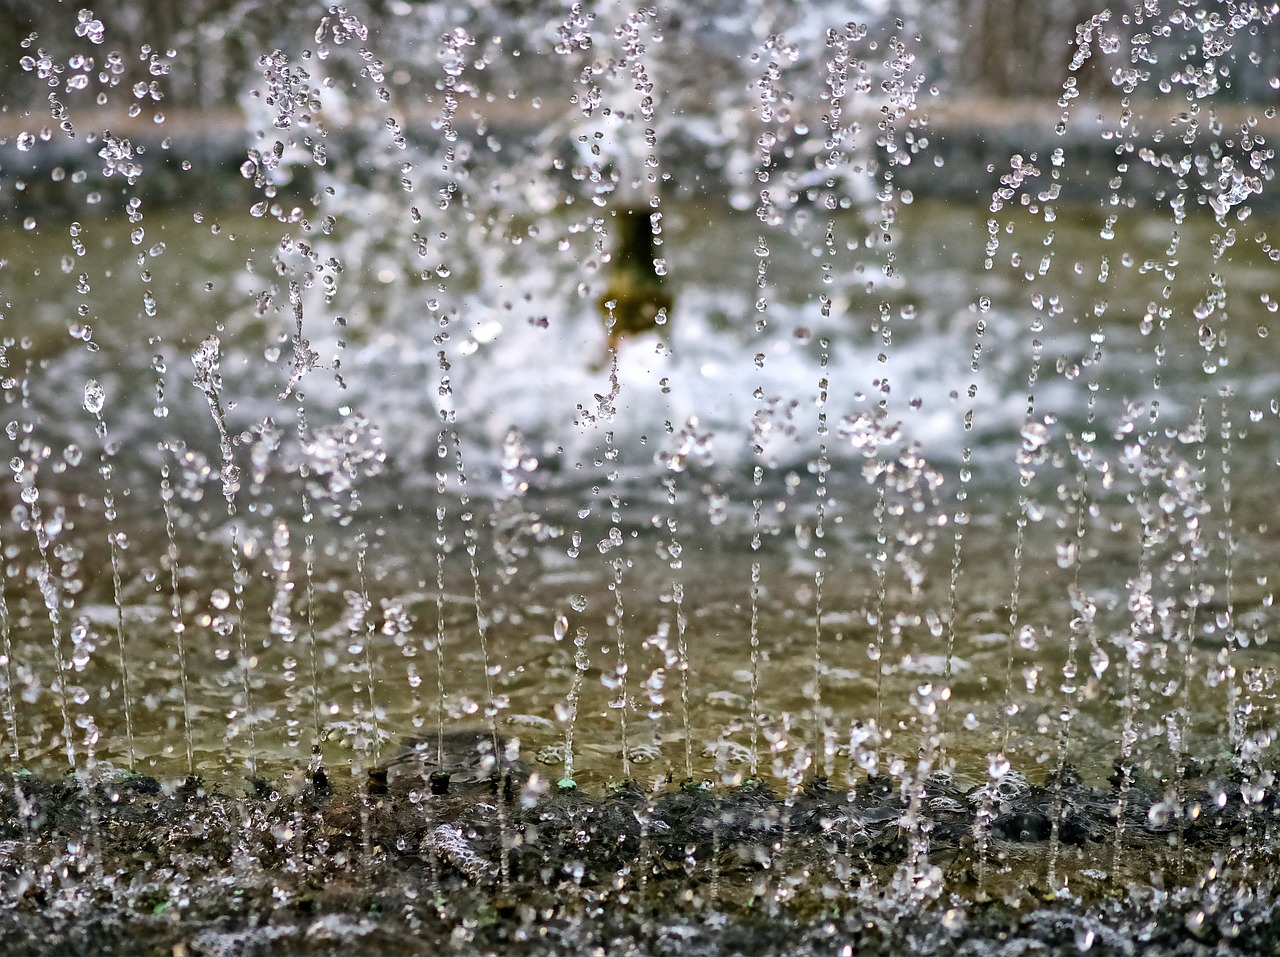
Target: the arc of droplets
(456, 43)
(842, 142)
(1245, 751)
(1081, 625)
(1139, 626)
(902, 87)
(1180, 720)
(280, 615)
(629, 74)
(568, 712)
(83, 761)
(470, 542)
(1236, 717)
(643, 71)
(177, 620)
(10, 717)
(1034, 438)
(1032, 449)
(822, 738)
(676, 563)
(770, 93)
(26, 474)
(94, 401)
(206, 360)
(360, 636)
(1083, 622)
(361, 631)
(6, 643)
(309, 585)
(618, 566)
(26, 863)
(442, 540)
(960, 522)
(288, 92)
(455, 63)
(1132, 688)
(441, 543)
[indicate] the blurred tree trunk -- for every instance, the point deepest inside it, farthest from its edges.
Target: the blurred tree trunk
(1023, 48)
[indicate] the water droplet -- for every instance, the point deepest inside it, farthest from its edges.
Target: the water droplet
(94, 397)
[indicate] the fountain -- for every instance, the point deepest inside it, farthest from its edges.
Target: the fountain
(535, 478)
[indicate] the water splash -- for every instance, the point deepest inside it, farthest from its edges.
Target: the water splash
(955, 454)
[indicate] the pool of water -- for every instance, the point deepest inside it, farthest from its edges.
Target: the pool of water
(725, 554)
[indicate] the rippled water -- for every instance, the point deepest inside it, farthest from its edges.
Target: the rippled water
(625, 508)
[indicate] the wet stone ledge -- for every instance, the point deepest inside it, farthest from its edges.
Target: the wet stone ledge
(415, 864)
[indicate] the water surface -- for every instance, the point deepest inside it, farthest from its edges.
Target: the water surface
(1078, 442)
